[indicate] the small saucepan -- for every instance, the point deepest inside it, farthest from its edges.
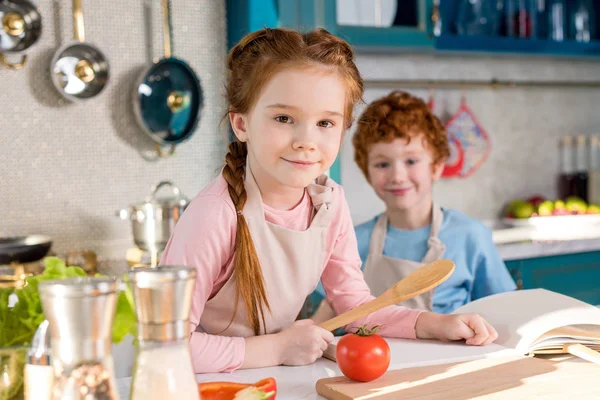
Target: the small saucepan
(168, 98)
(79, 70)
(20, 28)
(153, 220)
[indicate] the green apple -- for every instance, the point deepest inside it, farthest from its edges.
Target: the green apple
(545, 208)
(593, 209)
(523, 210)
(576, 205)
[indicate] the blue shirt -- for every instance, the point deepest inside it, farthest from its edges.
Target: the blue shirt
(479, 270)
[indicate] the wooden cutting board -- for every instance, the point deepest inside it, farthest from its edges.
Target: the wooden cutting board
(510, 378)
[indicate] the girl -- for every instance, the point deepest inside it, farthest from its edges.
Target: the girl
(271, 225)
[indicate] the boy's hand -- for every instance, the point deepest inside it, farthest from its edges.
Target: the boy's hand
(470, 327)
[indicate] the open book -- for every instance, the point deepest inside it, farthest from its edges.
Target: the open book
(538, 321)
(534, 321)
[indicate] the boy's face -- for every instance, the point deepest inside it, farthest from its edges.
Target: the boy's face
(402, 173)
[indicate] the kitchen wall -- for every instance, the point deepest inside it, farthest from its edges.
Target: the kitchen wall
(524, 125)
(67, 168)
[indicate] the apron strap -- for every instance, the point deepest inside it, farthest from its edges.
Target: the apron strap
(378, 236)
(435, 246)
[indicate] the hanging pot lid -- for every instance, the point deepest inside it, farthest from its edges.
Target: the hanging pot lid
(20, 28)
(168, 97)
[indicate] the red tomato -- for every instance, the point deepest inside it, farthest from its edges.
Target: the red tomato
(363, 356)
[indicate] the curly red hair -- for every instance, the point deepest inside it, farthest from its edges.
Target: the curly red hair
(399, 115)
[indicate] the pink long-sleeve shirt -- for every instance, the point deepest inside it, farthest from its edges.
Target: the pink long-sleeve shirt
(204, 238)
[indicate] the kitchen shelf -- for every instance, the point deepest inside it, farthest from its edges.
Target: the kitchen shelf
(509, 45)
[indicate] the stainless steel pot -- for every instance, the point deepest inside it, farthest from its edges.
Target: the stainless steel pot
(20, 28)
(153, 220)
(79, 70)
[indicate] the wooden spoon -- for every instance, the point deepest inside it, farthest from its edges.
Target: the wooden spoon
(420, 281)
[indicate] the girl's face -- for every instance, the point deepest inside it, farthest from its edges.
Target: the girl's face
(295, 129)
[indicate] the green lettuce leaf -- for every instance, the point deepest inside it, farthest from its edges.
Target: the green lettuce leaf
(18, 324)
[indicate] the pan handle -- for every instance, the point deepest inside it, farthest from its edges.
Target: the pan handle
(166, 12)
(78, 27)
(164, 154)
(13, 66)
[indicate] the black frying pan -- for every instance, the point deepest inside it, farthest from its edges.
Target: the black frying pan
(24, 249)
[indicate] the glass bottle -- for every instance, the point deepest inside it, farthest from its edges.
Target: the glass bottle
(477, 18)
(520, 18)
(594, 171)
(566, 178)
(163, 366)
(581, 21)
(80, 314)
(581, 168)
(557, 20)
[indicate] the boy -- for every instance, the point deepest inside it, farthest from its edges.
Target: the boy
(401, 147)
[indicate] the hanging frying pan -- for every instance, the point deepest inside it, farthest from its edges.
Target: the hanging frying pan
(168, 98)
(79, 70)
(20, 28)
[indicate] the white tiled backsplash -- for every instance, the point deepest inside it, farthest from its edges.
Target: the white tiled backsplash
(524, 125)
(66, 168)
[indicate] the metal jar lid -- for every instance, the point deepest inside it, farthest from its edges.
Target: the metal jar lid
(78, 287)
(159, 319)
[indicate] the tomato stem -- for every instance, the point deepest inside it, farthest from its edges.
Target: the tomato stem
(365, 331)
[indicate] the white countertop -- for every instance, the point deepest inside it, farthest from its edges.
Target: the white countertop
(524, 242)
(534, 249)
(299, 382)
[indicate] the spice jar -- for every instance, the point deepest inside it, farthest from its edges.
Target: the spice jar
(163, 367)
(80, 313)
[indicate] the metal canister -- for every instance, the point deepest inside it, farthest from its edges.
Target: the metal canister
(80, 313)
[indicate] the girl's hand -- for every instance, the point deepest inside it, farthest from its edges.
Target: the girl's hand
(470, 327)
(302, 343)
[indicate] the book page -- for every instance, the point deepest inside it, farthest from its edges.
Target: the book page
(554, 340)
(522, 316)
(415, 353)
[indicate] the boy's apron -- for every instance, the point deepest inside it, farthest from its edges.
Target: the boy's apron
(291, 261)
(382, 272)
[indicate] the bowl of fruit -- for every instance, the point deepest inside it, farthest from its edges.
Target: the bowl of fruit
(538, 210)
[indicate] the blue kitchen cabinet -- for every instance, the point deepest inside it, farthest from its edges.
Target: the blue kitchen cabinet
(413, 29)
(409, 27)
(417, 32)
(576, 275)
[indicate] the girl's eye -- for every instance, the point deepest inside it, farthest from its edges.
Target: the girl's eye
(412, 161)
(325, 124)
(382, 165)
(284, 119)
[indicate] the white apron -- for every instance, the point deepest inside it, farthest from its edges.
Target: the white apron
(382, 272)
(291, 261)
